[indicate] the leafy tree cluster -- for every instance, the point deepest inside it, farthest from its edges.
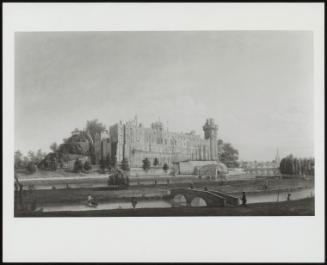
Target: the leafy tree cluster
(227, 154)
(297, 166)
(108, 163)
(87, 166)
(78, 165)
(118, 178)
(94, 128)
(29, 161)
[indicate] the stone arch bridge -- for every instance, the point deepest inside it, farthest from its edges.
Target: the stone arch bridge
(212, 198)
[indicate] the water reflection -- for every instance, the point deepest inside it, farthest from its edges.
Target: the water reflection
(279, 196)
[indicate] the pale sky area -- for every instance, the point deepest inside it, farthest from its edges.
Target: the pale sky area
(256, 85)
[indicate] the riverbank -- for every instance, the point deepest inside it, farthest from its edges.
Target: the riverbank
(161, 191)
(303, 207)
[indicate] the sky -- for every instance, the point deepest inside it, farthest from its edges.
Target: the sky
(256, 85)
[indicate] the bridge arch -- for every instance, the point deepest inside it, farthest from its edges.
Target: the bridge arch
(179, 199)
(198, 202)
(211, 199)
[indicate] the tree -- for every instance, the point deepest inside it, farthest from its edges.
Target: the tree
(124, 165)
(294, 166)
(87, 166)
(31, 156)
(40, 155)
(146, 164)
(18, 159)
(31, 168)
(36, 157)
(54, 147)
(165, 167)
(78, 165)
(227, 154)
(156, 162)
(94, 127)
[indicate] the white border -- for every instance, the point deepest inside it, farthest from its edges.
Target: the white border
(212, 239)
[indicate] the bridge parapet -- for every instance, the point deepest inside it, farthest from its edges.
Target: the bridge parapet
(231, 200)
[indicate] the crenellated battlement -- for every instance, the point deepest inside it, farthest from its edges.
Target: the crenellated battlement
(134, 142)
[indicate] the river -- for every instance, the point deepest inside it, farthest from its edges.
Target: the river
(177, 202)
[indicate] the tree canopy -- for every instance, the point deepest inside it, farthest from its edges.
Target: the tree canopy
(227, 154)
(93, 127)
(295, 166)
(54, 147)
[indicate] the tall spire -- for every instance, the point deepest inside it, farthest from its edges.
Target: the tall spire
(277, 159)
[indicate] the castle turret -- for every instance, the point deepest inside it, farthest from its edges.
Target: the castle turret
(210, 133)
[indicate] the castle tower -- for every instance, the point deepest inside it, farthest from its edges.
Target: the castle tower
(210, 133)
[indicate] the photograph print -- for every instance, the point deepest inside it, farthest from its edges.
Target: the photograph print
(164, 123)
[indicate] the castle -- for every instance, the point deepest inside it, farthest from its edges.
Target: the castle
(132, 141)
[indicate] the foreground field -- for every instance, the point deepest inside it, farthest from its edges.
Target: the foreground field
(304, 207)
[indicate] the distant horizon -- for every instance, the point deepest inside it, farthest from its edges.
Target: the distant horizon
(256, 85)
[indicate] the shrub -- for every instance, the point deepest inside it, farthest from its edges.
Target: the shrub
(87, 166)
(124, 165)
(31, 168)
(165, 167)
(118, 178)
(78, 165)
(146, 164)
(156, 162)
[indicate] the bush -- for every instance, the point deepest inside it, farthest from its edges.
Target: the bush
(165, 167)
(156, 162)
(78, 165)
(146, 164)
(118, 178)
(31, 168)
(124, 165)
(87, 166)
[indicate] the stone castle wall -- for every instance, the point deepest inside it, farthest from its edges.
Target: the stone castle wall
(135, 142)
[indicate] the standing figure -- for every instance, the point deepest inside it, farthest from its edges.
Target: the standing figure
(134, 202)
(289, 196)
(243, 198)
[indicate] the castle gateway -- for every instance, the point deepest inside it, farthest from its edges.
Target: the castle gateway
(133, 142)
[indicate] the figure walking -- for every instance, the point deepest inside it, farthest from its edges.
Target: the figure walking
(90, 201)
(289, 196)
(243, 199)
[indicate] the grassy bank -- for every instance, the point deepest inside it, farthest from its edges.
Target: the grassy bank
(304, 207)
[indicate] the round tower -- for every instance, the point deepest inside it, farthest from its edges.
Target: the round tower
(210, 133)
